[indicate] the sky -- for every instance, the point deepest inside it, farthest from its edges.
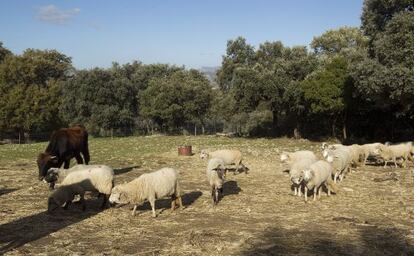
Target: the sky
(192, 33)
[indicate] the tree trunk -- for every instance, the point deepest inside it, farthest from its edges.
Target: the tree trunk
(344, 131)
(334, 127)
(195, 130)
(112, 133)
(20, 137)
(296, 133)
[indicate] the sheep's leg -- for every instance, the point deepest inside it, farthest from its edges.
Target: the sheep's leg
(180, 202)
(385, 164)
(105, 200)
(319, 193)
(395, 162)
(82, 201)
(213, 193)
(329, 190)
(67, 164)
(152, 202)
(217, 195)
(173, 198)
(300, 190)
(295, 190)
(335, 176)
(67, 205)
(306, 193)
(315, 191)
(134, 210)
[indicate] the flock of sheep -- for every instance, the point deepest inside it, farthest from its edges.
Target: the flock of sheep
(306, 172)
(309, 173)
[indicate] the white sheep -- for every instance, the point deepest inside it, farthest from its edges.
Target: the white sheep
(356, 153)
(57, 175)
(340, 159)
(228, 156)
(291, 157)
(296, 171)
(392, 152)
(215, 177)
(95, 178)
(64, 195)
(319, 173)
(149, 186)
(370, 150)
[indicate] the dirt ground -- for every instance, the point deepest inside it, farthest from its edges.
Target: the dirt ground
(258, 214)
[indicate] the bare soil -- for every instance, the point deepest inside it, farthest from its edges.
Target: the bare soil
(258, 214)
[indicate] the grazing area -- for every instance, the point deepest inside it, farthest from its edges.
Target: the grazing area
(372, 214)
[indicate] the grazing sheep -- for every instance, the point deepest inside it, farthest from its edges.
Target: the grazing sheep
(149, 186)
(319, 173)
(95, 178)
(370, 150)
(57, 175)
(332, 146)
(215, 176)
(392, 152)
(291, 157)
(64, 195)
(228, 156)
(340, 160)
(296, 171)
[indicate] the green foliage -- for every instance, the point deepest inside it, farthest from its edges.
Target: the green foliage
(171, 101)
(4, 52)
(324, 90)
(30, 86)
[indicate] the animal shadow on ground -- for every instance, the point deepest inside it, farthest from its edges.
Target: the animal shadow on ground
(4, 191)
(242, 169)
(125, 169)
(230, 188)
(30, 228)
(372, 240)
(188, 199)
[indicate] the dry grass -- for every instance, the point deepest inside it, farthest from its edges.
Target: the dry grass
(257, 216)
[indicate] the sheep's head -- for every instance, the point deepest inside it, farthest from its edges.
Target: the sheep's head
(203, 154)
(325, 153)
(284, 157)
(330, 158)
(44, 162)
(379, 149)
(307, 175)
(52, 175)
(296, 179)
(220, 169)
(324, 145)
(118, 196)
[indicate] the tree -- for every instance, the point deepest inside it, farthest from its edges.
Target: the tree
(4, 52)
(325, 91)
(30, 86)
(171, 101)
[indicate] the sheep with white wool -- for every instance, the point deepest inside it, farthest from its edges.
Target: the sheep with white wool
(392, 152)
(215, 177)
(370, 150)
(318, 174)
(291, 157)
(295, 173)
(64, 196)
(149, 186)
(340, 159)
(228, 156)
(94, 178)
(57, 175)
(356, 153)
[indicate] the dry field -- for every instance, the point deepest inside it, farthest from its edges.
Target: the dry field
(258, 214)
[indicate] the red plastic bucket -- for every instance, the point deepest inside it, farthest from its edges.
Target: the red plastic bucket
(185, 151)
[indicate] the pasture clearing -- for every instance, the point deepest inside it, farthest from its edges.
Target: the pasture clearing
(257, 216)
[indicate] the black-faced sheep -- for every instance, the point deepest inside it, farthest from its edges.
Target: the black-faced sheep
(149, 186)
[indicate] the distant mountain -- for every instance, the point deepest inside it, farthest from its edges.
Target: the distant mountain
(210, 73)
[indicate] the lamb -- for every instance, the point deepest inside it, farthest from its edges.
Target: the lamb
(340, 160)
(215, 176)
(228, 156)
(95, 178)
(296, 171)
(64, 195)
(149, 186)
(319, 173)
(291, 157)
(392, 152)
